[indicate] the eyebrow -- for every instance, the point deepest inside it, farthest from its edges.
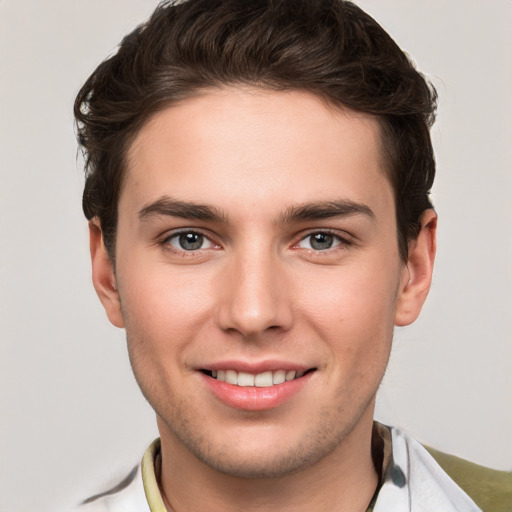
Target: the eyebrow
(325, 210)
(169, 207)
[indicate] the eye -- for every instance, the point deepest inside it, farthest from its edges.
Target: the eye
(320, 241)
(189, 241)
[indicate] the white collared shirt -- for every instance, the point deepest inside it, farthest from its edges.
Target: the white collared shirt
(413, 482)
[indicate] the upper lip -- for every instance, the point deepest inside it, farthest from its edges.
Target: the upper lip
(255, 367)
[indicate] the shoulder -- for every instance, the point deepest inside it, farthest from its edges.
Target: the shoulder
(137, 492)
(490, 489)
(461, 485)
(127, 495)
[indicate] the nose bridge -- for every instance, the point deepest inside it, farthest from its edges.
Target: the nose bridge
(256, 294)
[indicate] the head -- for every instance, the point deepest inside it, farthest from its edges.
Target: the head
(257, 183)
(330, 48)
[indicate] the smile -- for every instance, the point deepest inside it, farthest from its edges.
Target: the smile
(256, 387)
(260, 380)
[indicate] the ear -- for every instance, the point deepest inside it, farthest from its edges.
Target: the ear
(103, 275)
(417, 272)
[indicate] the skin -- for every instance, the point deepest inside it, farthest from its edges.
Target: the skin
(257, 290)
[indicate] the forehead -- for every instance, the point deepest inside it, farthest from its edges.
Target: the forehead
(254, 146)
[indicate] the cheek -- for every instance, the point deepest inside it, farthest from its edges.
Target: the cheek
(162, 317)
(352, 295)
(162, 309)
(355, 312)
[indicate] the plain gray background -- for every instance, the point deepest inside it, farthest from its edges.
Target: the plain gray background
(71, 415)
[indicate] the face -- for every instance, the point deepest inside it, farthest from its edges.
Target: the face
(258, 276)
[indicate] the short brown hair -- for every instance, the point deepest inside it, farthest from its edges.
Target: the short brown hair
(328, 47)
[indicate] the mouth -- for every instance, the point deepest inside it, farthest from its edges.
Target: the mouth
(260, 380)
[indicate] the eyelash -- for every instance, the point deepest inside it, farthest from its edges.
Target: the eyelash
(341, 242)
(165, 243)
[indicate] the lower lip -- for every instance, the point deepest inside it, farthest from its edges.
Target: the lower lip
(253, 398)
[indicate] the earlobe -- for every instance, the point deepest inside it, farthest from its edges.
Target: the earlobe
(103, 276)
(417, 273)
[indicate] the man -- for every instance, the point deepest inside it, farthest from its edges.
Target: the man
(257, 194)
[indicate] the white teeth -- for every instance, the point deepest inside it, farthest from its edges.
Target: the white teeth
(279, 377)
(231, 377)
(261, 380)
(245, 379)
(290, 375)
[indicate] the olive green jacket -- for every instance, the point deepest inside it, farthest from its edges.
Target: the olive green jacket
(490, 489)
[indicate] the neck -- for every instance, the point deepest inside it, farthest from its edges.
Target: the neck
(345, 479)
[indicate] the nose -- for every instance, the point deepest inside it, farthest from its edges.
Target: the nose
(256, 296)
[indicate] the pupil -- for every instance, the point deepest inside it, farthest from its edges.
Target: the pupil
(191, 241)
(321, 241)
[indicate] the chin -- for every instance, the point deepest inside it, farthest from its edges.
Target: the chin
(241, 464)
(262, 453)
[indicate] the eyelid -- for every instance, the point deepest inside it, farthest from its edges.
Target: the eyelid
(168, 235)
(344, 236)
(344, 240)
